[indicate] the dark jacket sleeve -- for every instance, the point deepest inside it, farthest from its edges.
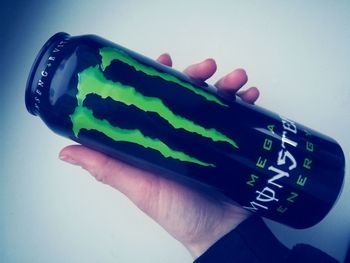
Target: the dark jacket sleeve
(253, 242)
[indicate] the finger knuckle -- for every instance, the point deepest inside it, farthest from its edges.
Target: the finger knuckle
(106, 169)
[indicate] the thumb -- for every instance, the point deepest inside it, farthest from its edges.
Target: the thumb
(135, 183)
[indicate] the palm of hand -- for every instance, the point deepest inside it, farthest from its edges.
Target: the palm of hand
(194, 218)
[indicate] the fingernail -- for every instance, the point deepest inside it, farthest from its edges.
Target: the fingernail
(68, 159)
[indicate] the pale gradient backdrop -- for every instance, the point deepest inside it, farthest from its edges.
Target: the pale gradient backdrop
(296, 52)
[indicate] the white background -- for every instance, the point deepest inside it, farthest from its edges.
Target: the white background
(296, 52)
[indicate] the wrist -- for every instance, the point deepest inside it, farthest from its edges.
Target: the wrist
(215, 233)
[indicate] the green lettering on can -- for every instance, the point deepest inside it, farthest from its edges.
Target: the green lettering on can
(270, 128)
(253, 178)
(282, 209)
(301, 180)
(309, 146)
(307, 163)
(261, 162)
(293, 195)
(267, 144)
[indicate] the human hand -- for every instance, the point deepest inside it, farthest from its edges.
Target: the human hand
(194, 218)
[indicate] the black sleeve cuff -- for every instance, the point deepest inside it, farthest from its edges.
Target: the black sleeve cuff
(253, 242)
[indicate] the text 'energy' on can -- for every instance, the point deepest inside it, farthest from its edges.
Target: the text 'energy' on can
(132, 108)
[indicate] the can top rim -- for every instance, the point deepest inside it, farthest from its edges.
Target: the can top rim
(30, 86)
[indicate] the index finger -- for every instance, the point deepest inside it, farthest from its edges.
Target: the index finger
(201, 71)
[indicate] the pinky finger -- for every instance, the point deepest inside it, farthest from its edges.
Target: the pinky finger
(250, 95)
(165, 59)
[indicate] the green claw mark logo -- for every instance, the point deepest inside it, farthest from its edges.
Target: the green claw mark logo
(83, 119)
(109, 54)
(93, 81)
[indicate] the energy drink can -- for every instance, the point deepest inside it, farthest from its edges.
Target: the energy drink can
(121, 103)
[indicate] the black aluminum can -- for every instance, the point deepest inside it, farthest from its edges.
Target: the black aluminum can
(134, 109)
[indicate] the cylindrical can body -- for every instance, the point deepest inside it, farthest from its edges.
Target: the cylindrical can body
(113, 100)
